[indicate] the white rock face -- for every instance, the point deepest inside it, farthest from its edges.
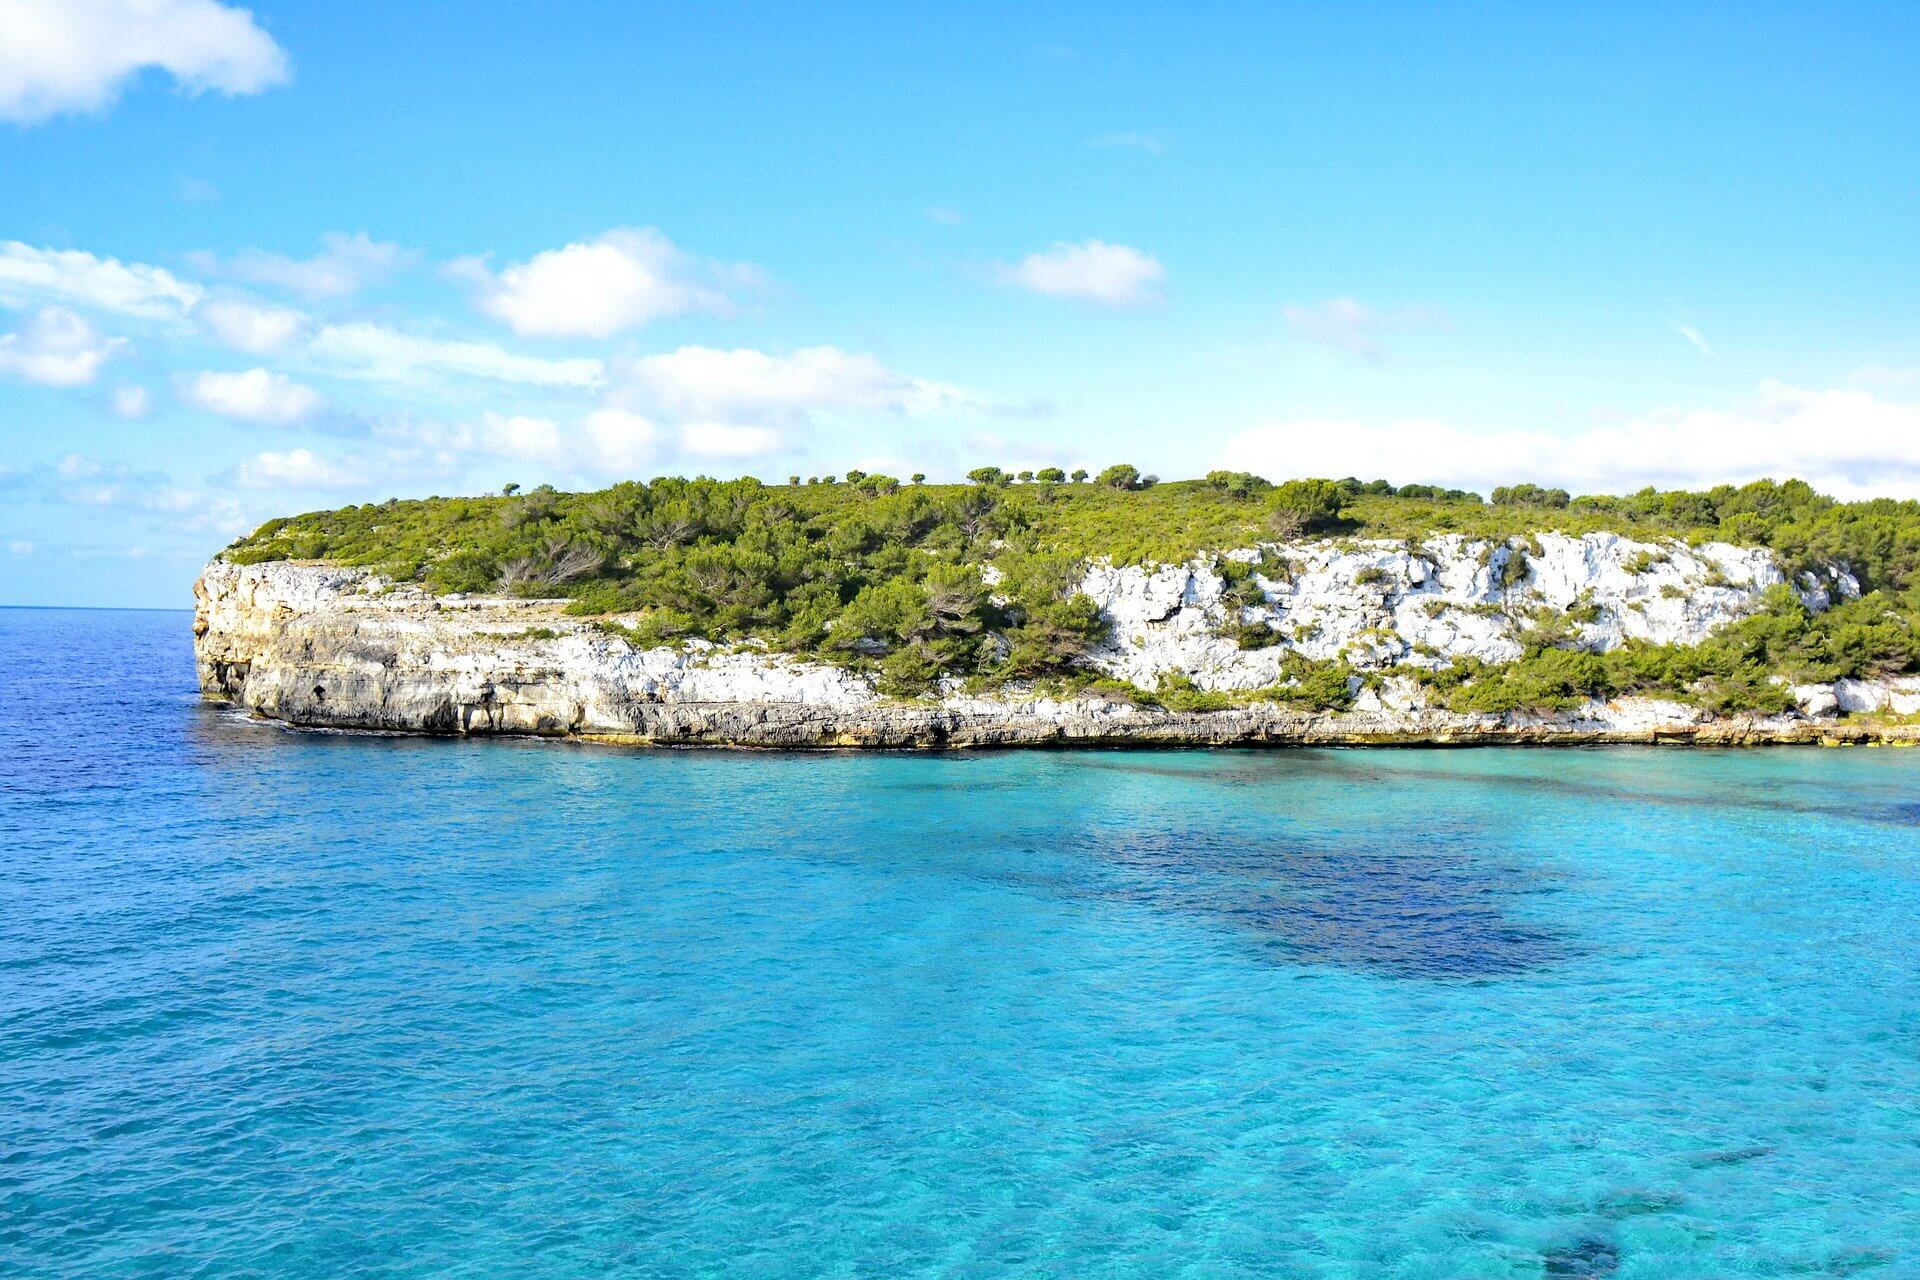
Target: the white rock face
(475, 644)
(1384, 604)
(1898, 694)
(322, 645)
(1816, 700)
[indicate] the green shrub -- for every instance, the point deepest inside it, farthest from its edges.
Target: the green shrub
(808, 567)
(1307, 506)
(1311, 685)
(1177, 692)
(1530, 495)
(1238, 484)
(1258, 635)
(1514, 569)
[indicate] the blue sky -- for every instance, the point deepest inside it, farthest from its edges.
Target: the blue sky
(261, 261)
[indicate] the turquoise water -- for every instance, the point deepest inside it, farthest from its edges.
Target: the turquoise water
(278, 1004)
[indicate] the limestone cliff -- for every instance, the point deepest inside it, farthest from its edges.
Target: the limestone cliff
(321, 645)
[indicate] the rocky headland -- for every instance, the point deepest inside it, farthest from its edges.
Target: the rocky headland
(316, 644)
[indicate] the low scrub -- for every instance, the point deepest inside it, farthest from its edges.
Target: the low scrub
(887, 577)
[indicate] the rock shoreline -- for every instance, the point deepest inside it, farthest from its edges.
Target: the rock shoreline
(322, 646)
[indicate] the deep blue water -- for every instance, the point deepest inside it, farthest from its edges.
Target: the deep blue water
(282, 1004)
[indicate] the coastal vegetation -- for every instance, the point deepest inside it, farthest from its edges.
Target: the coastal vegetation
(916, 581)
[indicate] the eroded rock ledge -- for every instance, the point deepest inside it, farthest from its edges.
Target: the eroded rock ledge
(324, 646)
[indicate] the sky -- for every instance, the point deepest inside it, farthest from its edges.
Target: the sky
(268, 260)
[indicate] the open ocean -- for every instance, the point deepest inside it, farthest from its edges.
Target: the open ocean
(278, 1004)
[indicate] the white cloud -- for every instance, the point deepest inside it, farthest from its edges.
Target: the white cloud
(72, 276)
(75, 55)
(597, 288)
(695, 402)
(524, 438)
(256, 395)
(19, 547)
(56, 348)
(729, 440)
(1882, 376)
(622, 442)
(1699, 342)
(1153, 142)
(345, 265)
(745, 403)
(131, 402)
(296, 469)
(400, 453)
(80, 481)
(1342, 323)
(1355, 328)
(1844, 442)
(250, 326)
(387, 355)
(945, 215)
(1109, 275)
(515, 437)
(708, 382)
(607, 444)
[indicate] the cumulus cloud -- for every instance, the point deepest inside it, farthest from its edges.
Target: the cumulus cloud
(397, 454)
(597, 288)
(250, 326)
(61, 56)
(522, 437)
(607, 444)
(1848, 443)
(387, 355)
(732, 441)
(1353, 327)
(708, 382)
(71, 276)
(81, 481)
(745, 403)
(621, 442)
(256, 395)
(345, 265)
(1883, 376)
(696, 402)
(1108, 275)
(56, 348)
(296, 469)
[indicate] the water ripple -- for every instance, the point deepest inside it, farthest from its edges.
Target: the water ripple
(278, 1004)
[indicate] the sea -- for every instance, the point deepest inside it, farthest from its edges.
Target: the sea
(294, 1004)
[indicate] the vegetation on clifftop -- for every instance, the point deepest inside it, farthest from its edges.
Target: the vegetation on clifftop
(886, 575)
